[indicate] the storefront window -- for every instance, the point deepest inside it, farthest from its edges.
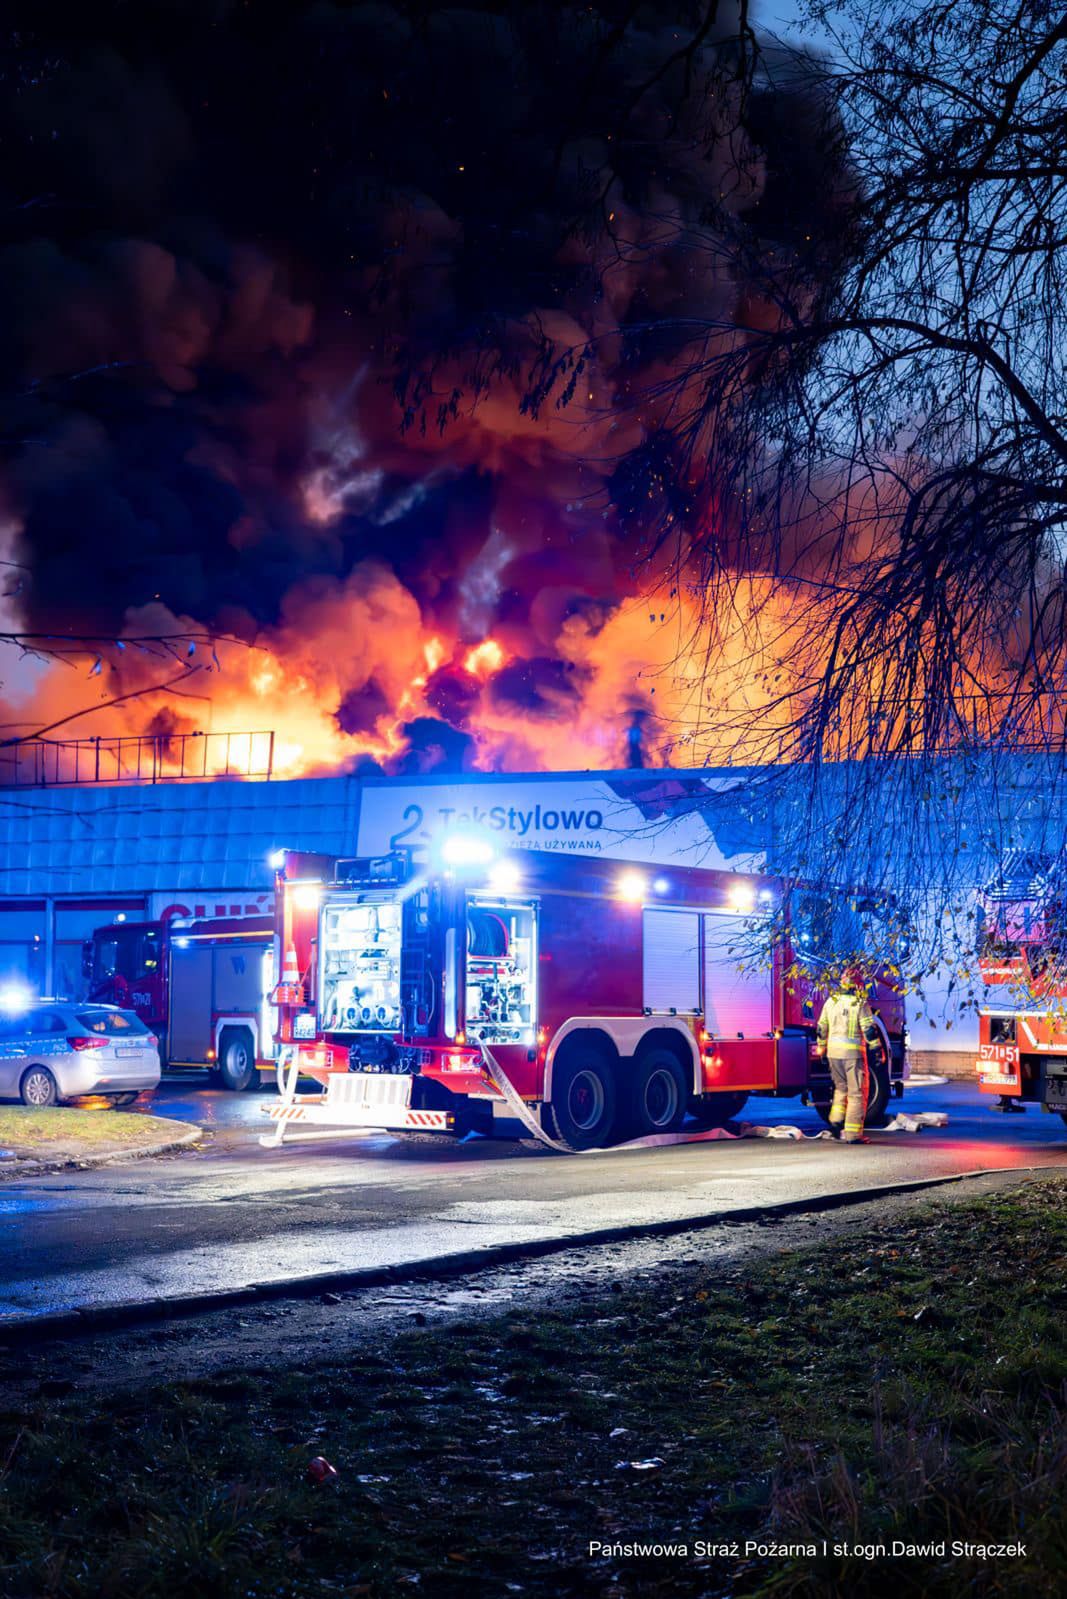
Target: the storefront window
(22, 943)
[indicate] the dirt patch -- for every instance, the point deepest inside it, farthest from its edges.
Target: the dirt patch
(901, 1381)
(69, 1133)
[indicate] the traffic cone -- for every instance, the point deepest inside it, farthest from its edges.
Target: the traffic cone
(290, 970)
(290, 990)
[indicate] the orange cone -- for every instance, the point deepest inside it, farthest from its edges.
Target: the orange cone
(290, 990)
(290, 970)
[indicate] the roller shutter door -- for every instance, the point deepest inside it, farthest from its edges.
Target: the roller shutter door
(671, 961)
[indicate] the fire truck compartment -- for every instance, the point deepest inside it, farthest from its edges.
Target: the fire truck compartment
(501, 976)
(737, 1000)
(209, 981)
(360, 956)
(671, 962)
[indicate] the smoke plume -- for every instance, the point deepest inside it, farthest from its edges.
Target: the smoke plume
(351, 335)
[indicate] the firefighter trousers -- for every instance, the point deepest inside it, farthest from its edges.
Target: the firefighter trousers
(849, 1105)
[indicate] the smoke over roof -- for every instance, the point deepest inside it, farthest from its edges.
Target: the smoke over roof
(279, 290)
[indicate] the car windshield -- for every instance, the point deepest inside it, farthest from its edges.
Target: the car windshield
(114, 1023)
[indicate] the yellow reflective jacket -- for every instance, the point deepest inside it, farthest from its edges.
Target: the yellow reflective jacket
(846, 1020)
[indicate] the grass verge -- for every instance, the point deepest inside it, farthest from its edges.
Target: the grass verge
(66, 1131)
(909, 1384)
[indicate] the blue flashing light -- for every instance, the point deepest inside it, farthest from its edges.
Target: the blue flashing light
(15, 997)
(276, 860)
(661, 885)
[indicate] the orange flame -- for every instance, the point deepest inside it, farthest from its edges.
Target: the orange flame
(484, 659)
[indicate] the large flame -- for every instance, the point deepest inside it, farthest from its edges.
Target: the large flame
(353, 674)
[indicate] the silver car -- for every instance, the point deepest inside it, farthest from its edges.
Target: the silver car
(55, 1050)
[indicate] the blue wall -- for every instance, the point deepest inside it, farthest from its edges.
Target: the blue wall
(184, 836)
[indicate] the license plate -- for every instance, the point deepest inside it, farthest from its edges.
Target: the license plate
(370, 1091)
(126, 1054)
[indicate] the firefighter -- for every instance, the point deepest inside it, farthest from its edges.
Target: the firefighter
(846, 1023)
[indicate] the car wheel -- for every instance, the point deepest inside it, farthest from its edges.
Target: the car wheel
(715, 1110)
(38, 1088)
(583, 1100)
(237, 1064)
(657, 1094)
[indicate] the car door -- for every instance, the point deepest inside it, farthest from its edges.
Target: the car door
(13, 1037)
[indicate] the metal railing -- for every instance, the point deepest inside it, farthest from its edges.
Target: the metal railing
(138, 758)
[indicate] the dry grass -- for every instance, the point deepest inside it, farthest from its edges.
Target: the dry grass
(66, 1131)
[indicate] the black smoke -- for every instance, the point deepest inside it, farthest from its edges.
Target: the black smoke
(279, 280)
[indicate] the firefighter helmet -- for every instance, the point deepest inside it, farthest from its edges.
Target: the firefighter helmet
(852, 977)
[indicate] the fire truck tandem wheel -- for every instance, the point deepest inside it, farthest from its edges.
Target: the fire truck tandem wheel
(583, 1099)
(715, 1110)
(237, 1060)
(657, 1093)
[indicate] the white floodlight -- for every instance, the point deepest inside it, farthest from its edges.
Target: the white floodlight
(504, 877)
(466, 849)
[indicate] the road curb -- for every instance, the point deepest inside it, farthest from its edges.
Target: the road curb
(26, 1166)
(100, 1318)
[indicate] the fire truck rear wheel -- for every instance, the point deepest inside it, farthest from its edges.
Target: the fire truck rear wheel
(583, 1100)
(237, 1059)
(657, 1094)
(715, 1110)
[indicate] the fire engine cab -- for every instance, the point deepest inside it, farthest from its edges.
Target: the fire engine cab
(202, 986)
(593, 1000)
(1022, 1049)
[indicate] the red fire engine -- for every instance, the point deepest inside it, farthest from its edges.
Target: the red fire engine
(592, 999)
(1022, 1051)
(203, 987)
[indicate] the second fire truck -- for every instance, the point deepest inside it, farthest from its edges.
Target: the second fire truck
(1022, 1047)
(593, 1000)
(201, 985)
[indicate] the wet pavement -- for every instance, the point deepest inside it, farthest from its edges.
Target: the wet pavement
(234, 1214)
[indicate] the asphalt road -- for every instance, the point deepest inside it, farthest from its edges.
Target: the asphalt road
(234, 1214)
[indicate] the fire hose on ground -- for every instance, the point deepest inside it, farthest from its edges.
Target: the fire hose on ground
(901, 1123)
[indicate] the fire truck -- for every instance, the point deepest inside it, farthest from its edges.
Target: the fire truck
(1022, 1048)
(202, 986)
(593, 1000)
